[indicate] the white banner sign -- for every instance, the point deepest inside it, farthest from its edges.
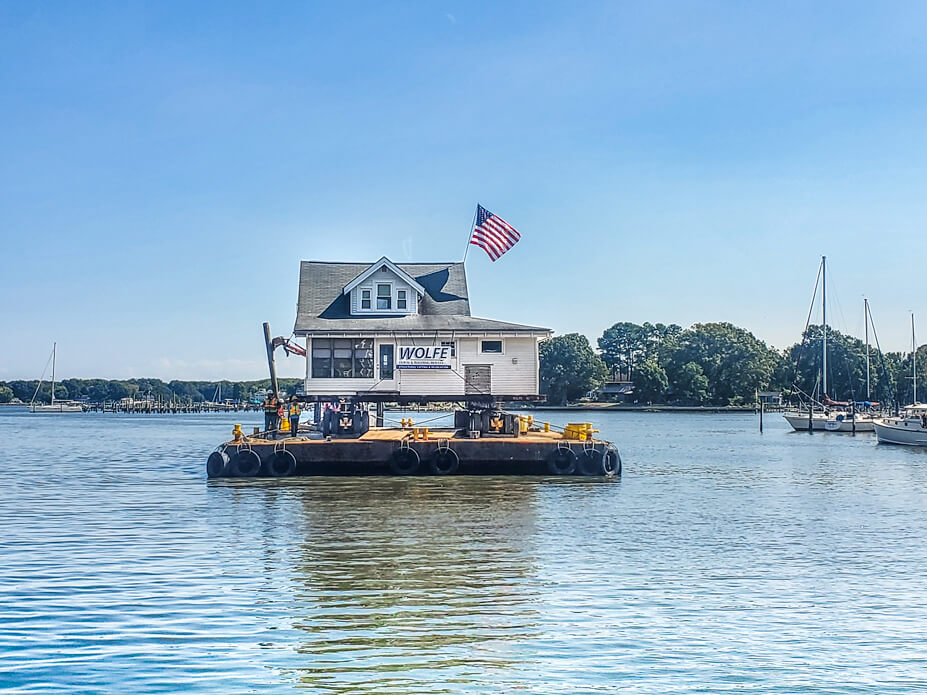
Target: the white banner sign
(435, 357)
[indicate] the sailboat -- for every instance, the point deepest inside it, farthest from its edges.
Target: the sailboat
(834, 416)
(910, 427)
(59, 406)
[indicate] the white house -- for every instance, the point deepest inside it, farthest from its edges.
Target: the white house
(405, 330)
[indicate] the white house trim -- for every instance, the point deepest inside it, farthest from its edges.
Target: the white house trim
(399, 272)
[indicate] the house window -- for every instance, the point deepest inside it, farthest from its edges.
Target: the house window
(342, 358)
(384, 296)
(452, 344)
(363, 358)
(365, 299)
(491, 346)
(401, 299)
(321, 358)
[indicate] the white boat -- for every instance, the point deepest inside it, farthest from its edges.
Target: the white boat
(831, 422)
(908, 428)
(845, 417)
(911, 426)
(59, 406)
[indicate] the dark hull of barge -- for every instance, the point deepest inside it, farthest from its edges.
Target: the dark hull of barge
(390, 451)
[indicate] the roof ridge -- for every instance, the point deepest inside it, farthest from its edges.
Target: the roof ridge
(372, 262)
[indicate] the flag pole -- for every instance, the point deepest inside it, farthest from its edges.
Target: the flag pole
(470, 234)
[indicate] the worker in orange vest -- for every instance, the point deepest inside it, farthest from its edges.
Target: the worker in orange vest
(271, 406)
(294, 414)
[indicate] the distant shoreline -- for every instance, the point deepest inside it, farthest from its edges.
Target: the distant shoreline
(595, 407)
(655, 408)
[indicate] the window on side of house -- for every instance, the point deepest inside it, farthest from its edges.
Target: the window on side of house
(321, 358)
(493, 347)
(384, 296)
(343, 362)
(401, 302)
(365, 299)
(363, 358)
(342, 358)
(452, 344)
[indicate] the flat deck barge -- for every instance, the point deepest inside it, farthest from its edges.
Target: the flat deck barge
(415, 451)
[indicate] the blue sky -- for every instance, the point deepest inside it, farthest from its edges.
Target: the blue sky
(166, 166)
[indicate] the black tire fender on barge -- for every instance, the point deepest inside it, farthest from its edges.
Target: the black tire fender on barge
(591, 462)
(445, 461)
(561, 461)
(281, 464)
(217, 464)
(245, 463)
(404, 461)
(612, 461)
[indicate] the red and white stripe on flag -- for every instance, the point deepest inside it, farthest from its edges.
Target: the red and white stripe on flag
(493, 234)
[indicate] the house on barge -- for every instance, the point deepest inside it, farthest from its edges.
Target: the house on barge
(403, 332)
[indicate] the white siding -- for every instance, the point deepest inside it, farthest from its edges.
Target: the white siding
(514, 372)
(371, 284)
(432, 382)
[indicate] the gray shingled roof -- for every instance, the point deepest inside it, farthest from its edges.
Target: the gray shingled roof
(445, 307)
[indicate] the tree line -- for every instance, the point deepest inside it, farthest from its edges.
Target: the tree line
(719, 364)
(185, 392)
(714, 364)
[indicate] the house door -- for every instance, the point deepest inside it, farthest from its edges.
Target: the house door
(386, 362)
(477, 379)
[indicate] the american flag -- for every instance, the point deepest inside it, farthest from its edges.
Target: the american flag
(493, 234)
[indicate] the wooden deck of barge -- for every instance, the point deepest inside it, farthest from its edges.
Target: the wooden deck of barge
(397, 451)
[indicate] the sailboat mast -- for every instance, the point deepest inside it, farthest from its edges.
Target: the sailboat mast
(54, 359)
(824, 321)
(913, 357)
(866, 322)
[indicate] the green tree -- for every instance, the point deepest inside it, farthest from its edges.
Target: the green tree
(904, 383)
(846, 366)
(23, 390)
(691, 385)
(569, 367)
(6, 393)
(625, 344)
(734, 361)
(650, 381)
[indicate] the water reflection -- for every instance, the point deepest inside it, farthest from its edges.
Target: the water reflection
(724, 561)
(402, 581)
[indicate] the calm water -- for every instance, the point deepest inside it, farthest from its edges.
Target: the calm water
(724, 561)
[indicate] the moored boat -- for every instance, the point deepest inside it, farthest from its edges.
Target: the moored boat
(54, 406)
(909, 428)
(58, 407)
(823, 414)
(831, 422)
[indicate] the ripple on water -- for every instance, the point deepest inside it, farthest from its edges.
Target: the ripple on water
(723, 562)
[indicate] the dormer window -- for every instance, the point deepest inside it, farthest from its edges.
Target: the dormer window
(384, 289)
(384, 296)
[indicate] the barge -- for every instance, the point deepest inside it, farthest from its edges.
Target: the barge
(388, 333)
(419, 451)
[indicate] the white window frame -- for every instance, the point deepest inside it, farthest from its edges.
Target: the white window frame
(404, 299)
(377, 286)
(367, 299)
(452, 344)
(501, 341)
